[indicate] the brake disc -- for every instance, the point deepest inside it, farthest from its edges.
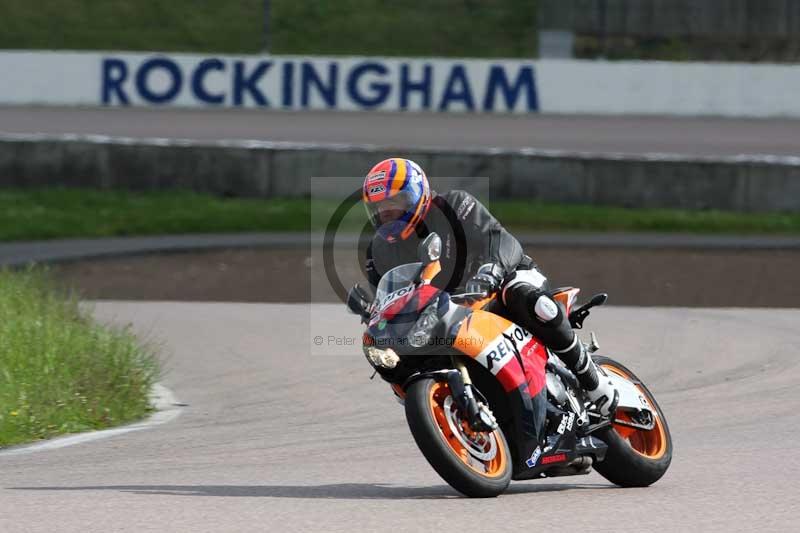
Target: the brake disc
(475, 448)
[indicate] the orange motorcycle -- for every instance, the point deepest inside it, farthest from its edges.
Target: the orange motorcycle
(487, 402)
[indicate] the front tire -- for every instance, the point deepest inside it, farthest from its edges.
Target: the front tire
(475, 464)
(635, 457)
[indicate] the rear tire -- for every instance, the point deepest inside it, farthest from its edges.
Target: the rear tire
(635, 458)
(427, 419)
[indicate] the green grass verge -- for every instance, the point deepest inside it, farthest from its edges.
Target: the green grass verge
(342, 27)
(443, 28)
(60, 372)
(176, 25)
(63, 213)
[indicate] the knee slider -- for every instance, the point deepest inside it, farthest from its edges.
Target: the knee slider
(545, 309)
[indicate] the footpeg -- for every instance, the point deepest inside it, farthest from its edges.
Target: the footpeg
(605, 396)
(593, 345)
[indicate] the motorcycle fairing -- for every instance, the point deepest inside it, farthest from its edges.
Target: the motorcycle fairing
(558, 457)
(507, 350)
(390, 322)
(566, 296)
(517, 360)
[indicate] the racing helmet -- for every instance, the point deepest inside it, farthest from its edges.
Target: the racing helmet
(397, 197)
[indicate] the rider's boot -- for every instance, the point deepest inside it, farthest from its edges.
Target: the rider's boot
(593, 379)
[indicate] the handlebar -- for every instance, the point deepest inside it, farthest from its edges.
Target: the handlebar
(467, 295)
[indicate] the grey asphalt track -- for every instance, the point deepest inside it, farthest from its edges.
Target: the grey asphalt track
(703, 136)
(277, 439)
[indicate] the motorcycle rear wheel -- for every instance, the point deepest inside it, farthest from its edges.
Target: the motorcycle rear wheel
(635, 457)
(432, 418)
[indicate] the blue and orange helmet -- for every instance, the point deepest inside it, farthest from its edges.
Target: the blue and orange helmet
(397, 197)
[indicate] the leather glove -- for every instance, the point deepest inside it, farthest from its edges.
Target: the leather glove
(488, 279)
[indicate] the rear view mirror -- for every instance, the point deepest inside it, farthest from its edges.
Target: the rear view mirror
(358, 301)
(430, 249)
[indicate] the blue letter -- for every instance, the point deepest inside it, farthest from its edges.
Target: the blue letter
(457, 88)
(175, 76)
(308, 76)
(197, 81)
(424, 86)
(242, 83)
(115, 72)
(499, 81)
(381, 90)
(288, 84)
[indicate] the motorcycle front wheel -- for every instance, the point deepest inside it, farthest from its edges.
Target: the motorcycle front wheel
(477, 464)
(636, 457)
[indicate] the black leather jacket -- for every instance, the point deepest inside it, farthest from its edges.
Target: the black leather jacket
(471, 237)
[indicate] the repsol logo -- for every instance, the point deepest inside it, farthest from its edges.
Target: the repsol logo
(317, 83)
(499, 353)
(391, 297)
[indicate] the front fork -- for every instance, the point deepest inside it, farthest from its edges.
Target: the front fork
(477, 415)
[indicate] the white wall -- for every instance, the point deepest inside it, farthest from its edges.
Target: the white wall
(361, 83)
(657, 87)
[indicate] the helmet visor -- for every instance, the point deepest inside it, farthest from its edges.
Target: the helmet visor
(391, 215)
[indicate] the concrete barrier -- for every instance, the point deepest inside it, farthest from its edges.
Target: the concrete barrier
(266, 169)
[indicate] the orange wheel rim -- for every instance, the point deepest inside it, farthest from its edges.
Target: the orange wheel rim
(491, 468)
(649, 443)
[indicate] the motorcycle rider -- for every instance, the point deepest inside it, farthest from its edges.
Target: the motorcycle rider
(403, 211)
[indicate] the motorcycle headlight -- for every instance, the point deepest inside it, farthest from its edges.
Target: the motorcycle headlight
(420, 332)
(384, 358)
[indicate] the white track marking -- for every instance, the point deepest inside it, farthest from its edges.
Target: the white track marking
(168, 409)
